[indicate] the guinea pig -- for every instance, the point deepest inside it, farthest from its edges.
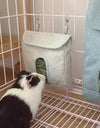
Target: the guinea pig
(19, 105)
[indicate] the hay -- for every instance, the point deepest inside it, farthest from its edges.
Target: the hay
(41, 68)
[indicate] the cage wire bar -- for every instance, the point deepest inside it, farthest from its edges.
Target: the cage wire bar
(16, 7)
(2, 54)
(56, 110)
(9, 26)
(59, 111)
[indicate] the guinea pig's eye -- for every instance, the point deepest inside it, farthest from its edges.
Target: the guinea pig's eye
(29, 77)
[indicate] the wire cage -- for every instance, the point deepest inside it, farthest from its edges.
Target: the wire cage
(59, 111)
(16, 16)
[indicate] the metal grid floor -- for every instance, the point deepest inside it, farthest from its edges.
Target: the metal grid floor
(59, 111)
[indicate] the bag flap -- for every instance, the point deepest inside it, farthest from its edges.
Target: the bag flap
(45, 40)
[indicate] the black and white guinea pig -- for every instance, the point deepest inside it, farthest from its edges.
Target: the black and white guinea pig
(19, 105)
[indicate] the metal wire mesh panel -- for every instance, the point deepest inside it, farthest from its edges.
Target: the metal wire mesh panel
(59, 111)
(55, 111)
(10, 41)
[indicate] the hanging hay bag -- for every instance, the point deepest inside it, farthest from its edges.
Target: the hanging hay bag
(53, 52)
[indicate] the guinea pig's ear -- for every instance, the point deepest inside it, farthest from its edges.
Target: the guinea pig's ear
(23, 72)
(34, 81)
